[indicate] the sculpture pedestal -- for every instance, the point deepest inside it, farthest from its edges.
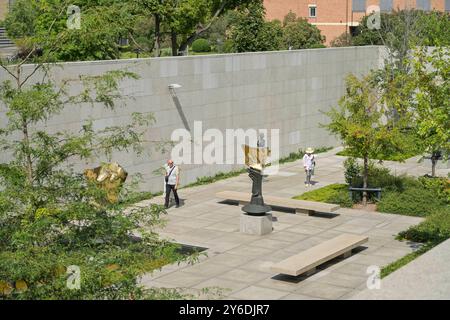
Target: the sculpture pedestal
(256, 225)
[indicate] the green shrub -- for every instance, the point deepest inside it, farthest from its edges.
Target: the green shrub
(385, 271)
(294, 156)
(317, 46)
(412, 202)
(435, 229)
(400, 156)
(379, 177)
(201, 45)
(228, 46)
(219, 176)
(352, 170)
(334, 193)
(439, 185)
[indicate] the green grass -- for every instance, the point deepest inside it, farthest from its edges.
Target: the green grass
(411, 202)
(435, 229)
(387, 270)
(220, 176)
(431, 232)
(132, 55)
(138, 197)
(334, 193)
(192, 53)
(226, 175)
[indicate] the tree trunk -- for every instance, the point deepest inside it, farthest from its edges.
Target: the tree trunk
(173, 35)
(26, 137)
(365, 179)
(435, 157)
(157, 35)
(433, 168)
(29, 162)
(184, 45)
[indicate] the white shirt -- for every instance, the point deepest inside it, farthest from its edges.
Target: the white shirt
(173, 176)
(308, 161)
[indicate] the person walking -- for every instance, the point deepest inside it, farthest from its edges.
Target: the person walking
(309, 163)
(172, 179)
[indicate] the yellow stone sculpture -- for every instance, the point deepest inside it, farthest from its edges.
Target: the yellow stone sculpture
(256, 157)
(110, 177)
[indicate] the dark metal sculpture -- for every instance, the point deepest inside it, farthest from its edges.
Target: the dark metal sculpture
(255, 159)
(256, 207)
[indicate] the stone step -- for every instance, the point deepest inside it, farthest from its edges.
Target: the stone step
(4, 40)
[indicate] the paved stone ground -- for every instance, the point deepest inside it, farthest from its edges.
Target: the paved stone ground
(426, 278)
(6, 52)
(240, 264)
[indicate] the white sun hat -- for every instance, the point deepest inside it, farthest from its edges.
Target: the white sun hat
(310, 150)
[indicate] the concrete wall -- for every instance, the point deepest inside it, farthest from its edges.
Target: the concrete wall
(274, 90)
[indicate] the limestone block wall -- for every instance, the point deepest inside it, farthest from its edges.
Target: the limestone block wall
(284, 90)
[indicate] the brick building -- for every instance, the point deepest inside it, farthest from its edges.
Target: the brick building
(4, 4)
(335, 17)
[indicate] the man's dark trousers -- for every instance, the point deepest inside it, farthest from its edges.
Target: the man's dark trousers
(171, 187)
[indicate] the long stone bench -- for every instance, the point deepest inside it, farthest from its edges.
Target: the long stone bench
(300, 206)
(307, 261)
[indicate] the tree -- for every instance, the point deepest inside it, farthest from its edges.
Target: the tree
(344, 40)
(184, 21)
(402, 30)
(103, 23)
(216, 9)
(156, 10)
(431, 105)
(360, 122)
(217, 34)
(435, 26)
(299, 34)
(53, 219)
(21, 19)
(250, 31)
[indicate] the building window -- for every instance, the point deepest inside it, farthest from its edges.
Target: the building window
(354, 31)
(423, 5)
(447, 5)
(312, 11)
(386, 5)
(359, 5)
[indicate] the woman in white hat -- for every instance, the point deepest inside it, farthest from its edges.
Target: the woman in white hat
(309, 163)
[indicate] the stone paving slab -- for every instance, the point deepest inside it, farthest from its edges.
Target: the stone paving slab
(259, 293)
(242, 262)
(323, 290)
(427, 277)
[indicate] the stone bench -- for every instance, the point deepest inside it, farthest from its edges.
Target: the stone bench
(300, 206)
(307, 261)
